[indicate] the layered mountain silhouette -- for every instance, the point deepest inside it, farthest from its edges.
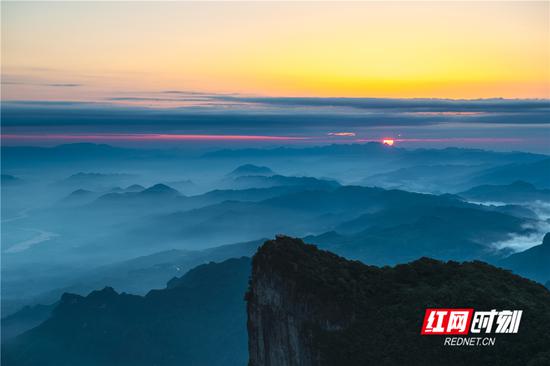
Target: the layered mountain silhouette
(130, 199)
(450, 155)
(251, 169)
(517, 192)
(25, 319)
(305, 307)
(311, 307)
(252, 176)
(134, 188)
(166, 198)
(198, 319)
(536, 173)
(395, 236)
(79, 197)
(374, 225)
(353, 209)
(422, 177)
(185, 186)
(260, 181)
(97, 228)
(136, 276)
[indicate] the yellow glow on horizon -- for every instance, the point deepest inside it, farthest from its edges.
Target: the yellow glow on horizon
(370, 49)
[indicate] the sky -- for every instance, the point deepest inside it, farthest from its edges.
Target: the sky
(370, 49)
(264, 58)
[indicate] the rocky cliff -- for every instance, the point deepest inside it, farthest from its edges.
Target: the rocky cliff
(283, 314)
(309, 307)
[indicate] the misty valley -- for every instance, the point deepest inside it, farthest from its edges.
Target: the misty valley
(275, 183)
(104, 243)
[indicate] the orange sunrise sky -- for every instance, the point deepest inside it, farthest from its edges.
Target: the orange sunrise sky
(350, 49)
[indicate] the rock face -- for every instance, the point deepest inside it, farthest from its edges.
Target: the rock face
(309, 307)
(282, 314)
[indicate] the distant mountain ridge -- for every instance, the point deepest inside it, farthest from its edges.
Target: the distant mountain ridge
(449, 154)
(137, 196)
(223, 279)
(535, 172)
(447, 233)
(517, 192)
(174, 326)
(311, 212)
(251, 169)
(532, 263)
(261, 181)
(25, 319)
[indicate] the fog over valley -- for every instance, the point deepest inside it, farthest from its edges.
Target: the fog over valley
(109, 221)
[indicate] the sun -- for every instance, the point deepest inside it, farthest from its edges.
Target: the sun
(388, 142)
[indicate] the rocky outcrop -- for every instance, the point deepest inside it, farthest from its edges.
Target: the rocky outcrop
(283, 314)
(309, 307)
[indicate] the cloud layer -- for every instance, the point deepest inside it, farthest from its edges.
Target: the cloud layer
(521, 123)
